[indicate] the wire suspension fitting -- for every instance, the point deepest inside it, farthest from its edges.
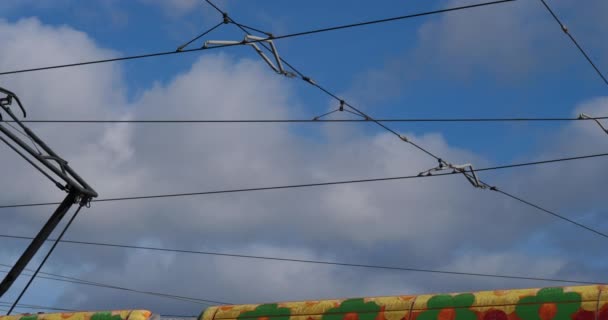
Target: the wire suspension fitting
(278, 68)
(341, 108)
(583, 116)
(466, 169)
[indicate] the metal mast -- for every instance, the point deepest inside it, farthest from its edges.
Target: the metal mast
(52, 166)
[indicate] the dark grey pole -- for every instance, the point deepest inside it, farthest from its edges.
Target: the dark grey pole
(35, 245)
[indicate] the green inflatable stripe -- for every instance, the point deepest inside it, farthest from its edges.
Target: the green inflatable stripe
(364, 310)
(105, 316)
(267, 310)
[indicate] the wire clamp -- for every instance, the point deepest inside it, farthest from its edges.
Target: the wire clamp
(309, 80)
(252, 40)
(404, 138)
(584, 116)
(341, 108)
(8, 100)
(226, 18)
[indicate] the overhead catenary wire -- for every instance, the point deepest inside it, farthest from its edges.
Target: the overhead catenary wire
(580, 48)
(291, 35)
(318, 184)
(509, 166)
(312, 121)
(310, 261)
(74, 280)
(325, 262)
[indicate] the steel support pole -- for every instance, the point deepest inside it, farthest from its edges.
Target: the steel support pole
(38, 241)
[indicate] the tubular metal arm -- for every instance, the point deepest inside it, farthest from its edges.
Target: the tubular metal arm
(252, 41)
(78, 190)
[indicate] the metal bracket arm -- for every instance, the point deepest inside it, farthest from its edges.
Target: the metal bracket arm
(466, 169)
(252, 41)
(62, 169)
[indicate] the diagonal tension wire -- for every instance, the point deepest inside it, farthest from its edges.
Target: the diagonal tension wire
(46, 257)
(298, 34)
(309, 261)
(405, 139)
(342, 102)
(578, 224)
(582, 51)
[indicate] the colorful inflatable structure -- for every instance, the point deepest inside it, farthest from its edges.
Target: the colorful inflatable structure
(556, 303)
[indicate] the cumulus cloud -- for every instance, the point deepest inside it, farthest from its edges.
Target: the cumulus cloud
(421, 223)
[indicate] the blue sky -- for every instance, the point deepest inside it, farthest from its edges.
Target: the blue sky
(508, 60)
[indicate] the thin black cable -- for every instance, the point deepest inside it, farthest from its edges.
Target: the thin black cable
(318, 262)
(215, 7)
(177, 121)
(180, 48)
(580, 225)
(173, 195)
(62, 278)
(565, 30)
(46, 257)
(298, 34)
